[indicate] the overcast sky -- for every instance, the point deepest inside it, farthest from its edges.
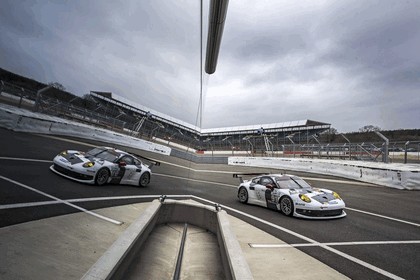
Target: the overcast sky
(348, 63)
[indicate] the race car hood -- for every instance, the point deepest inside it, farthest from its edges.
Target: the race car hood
(319, 195)
(75, 157)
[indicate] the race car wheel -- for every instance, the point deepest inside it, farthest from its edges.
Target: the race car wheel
(102, 177)
(286, 206)
(144, 179)
(243, 195)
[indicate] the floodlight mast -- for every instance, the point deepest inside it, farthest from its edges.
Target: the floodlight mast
(217, 16)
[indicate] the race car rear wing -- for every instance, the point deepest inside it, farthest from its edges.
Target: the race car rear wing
(152, 161)
(240, 175)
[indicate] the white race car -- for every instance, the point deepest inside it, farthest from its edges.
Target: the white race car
(103, 165)
(291, 195)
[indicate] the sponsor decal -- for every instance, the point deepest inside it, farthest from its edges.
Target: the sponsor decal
(300, 204)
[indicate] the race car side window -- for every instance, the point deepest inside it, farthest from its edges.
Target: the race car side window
(256, 180)
(128, 160)
(266, 181)
(137, 162)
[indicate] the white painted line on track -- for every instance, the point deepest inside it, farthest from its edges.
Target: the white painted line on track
(67, 140)
(326, 247)
(62, 201)
(194, 180)
(337, 181)
(384, 217)
(357, 243)
(89, 199)
(26, 159)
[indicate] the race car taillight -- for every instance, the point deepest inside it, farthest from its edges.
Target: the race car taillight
(304, 198)
(89, 164)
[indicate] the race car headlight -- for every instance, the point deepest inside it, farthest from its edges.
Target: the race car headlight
(336, 196)
(63, 153)
(88, 164)
(304, 198)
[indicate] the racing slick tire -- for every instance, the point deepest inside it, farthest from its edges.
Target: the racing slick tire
(102, 177)
(243, 195)
(144, 179)
(286, 206)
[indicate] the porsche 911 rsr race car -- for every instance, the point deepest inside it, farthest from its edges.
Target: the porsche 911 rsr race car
(291, 195)
(103, 165)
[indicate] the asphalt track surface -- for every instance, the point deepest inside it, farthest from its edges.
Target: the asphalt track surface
(379, 238)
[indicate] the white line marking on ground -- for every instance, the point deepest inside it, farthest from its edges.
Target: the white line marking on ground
(194, 180)
(337, 181)
(255, 245)
(344, 255)
(26, 159)
(67, 140)
(62, 201)
(89, 199)
(382, 216)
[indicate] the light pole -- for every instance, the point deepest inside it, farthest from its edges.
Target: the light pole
(349, 144)
(386, 144)
(208, 140)
(405, 151)
(246, 138)
(290, 136)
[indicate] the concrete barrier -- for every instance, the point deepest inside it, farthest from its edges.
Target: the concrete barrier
(399, 176)
(115, 261)
(25, 121)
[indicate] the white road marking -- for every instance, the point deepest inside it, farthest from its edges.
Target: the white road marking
(254, 245)
(384, 217)
(75, 200)
(326, 247)
(338, 181)
(62, 201)
(26, 159)
(67, 140)
(194, 180)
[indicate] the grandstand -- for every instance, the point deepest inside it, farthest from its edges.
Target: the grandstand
(110, 111)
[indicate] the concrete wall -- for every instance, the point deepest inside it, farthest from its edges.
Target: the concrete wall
(400, 176)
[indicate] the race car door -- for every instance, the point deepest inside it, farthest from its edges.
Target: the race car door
(264, 189)
(132, 172)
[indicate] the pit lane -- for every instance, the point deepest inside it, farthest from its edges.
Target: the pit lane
(390, 216)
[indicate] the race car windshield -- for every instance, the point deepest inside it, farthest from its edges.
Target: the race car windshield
(292, 183)
(104, 154)
(301, 183)
(95, 151)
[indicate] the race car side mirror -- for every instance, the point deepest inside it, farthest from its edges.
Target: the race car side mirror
(122, 164)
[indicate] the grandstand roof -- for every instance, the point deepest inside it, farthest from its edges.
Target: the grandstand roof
(247, 128)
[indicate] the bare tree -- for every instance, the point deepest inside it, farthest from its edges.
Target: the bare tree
(57, 85)
(369, 128)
